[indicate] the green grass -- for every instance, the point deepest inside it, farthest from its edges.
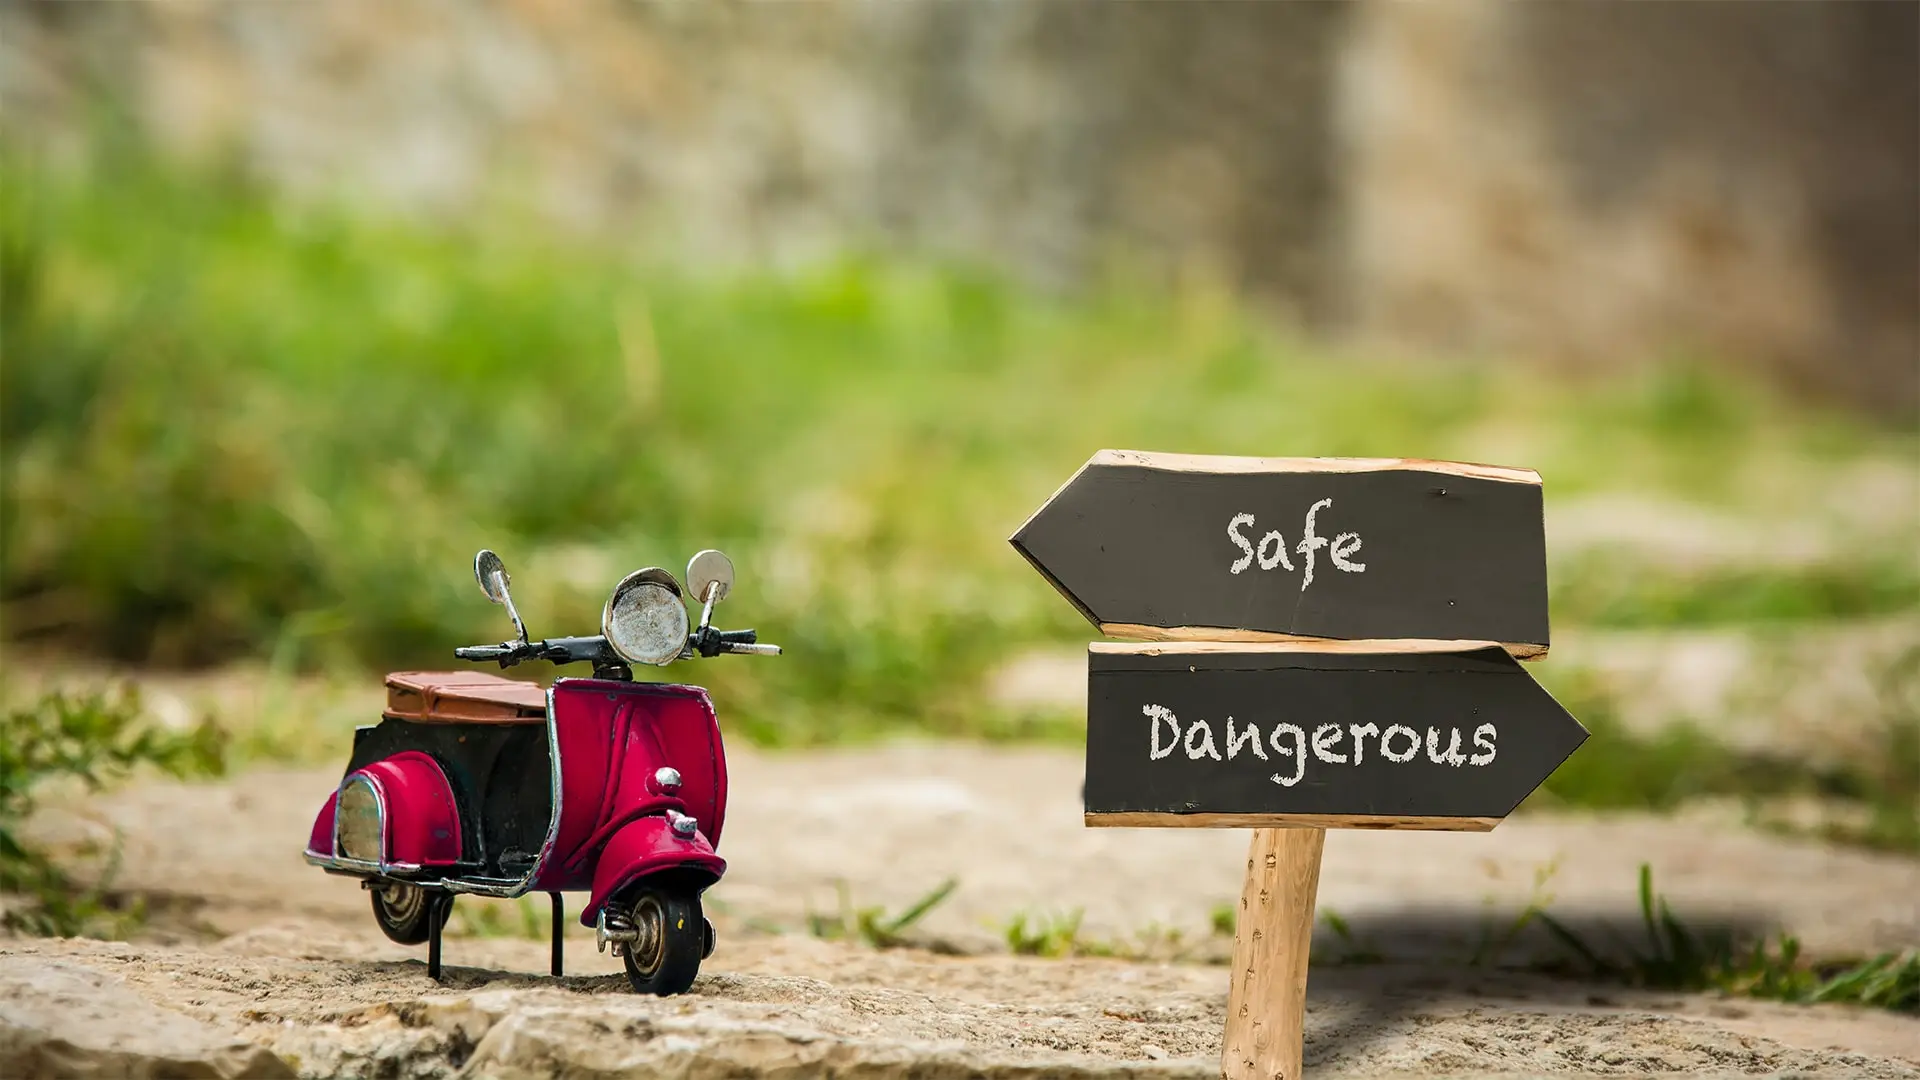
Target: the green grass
(231, 427)
(1353, 950)
(1669, 955)
(1619, 769)
(875, 926)
(1616, 591)
(1054, 934)
(95, 739)
(1057, 934)
(1674, 957)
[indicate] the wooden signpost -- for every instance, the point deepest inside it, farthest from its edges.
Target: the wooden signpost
(1331, 644)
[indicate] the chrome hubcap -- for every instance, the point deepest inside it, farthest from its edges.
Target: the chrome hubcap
(402, 903)
(649, 946)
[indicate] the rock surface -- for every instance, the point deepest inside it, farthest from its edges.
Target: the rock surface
(329, 1004)
(254, 953)
(67, 1018)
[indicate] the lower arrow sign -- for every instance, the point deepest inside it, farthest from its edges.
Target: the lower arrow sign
(1315, 734)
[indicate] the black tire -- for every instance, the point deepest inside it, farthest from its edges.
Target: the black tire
(666, 955)
(402, 910)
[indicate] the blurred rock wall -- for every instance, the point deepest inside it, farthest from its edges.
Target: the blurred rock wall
(1602, 181)
(1580, 181)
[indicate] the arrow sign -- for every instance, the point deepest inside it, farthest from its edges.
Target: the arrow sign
(1321, 735)
(1188, 547)
(1339, 641)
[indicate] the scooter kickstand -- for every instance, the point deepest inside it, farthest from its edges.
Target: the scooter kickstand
(434, 919)
(559, 942)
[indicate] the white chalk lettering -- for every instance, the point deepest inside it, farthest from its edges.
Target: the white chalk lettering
(1245, 545)
(1310, 543)
(1156, 714)
(1345, 547)
(1250, 737)
(1325, 738)
(1452, 755)
(1279, 557)
(1483, 741)
(1386, 743)
(1358, 730)
(1206, 747)
(1271, 551)
(1293, 749)
(1298, 750)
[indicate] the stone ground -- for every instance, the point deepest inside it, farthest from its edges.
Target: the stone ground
(256, 964)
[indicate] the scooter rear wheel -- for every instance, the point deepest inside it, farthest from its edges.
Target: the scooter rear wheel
(670, 940)
(402, 910)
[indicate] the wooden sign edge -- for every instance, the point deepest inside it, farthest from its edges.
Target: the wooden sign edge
(1156, 640)
(1130, 819)
(1225, 464)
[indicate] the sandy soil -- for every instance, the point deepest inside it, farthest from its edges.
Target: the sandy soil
(255, 954)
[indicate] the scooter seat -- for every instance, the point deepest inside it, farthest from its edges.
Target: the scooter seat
(463, 697)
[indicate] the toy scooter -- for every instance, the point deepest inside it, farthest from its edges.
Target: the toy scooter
(472, 783)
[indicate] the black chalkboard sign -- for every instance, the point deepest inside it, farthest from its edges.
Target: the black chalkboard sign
(1321, 735)
(1336, 643)
(1173, 546)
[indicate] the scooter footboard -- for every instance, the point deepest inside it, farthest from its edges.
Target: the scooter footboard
(647, 846)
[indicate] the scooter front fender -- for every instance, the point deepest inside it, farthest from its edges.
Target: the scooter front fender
(647, 846)
(397, 813)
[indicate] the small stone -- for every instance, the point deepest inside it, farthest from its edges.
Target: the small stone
(1154, 1052)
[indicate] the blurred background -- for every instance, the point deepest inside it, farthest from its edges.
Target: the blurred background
(303, 304)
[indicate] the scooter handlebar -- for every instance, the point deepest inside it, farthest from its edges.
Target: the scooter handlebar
(708, 641)
(482, 652)
(566, 650)
(752, 650)
(704, 642)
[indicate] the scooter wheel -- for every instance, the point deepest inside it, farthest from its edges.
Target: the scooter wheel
(670, 939)
(402, 910)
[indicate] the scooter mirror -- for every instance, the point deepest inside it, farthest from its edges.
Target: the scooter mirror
(710, 570)
(492, 575)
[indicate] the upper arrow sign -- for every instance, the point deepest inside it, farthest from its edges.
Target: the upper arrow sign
(1178, 546)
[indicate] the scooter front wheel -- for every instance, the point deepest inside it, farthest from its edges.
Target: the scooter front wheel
(403, 910)
(670, 938)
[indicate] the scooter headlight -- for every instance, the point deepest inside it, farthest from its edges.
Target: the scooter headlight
(645, 620)
(357, 822)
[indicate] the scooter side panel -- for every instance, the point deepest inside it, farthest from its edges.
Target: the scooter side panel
(612, 737)
(583, 738)
(644, 847)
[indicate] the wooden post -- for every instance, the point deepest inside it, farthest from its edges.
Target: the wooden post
(1267, 1004)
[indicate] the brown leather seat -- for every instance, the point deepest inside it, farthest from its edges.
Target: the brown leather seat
(463, 697)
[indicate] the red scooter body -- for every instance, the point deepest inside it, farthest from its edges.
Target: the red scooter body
(473, 783)
(611, 824)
